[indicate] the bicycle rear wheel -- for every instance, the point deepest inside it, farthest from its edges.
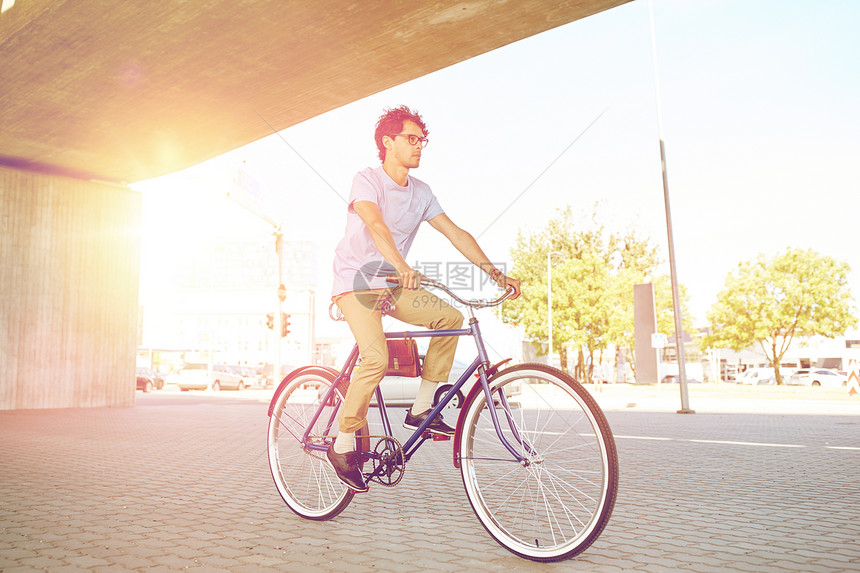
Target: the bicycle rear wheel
(305, 480)
(554, 506)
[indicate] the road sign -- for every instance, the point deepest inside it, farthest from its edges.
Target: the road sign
(853, 378)
(282, 293)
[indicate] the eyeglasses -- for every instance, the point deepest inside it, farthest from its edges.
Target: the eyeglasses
(414, 139)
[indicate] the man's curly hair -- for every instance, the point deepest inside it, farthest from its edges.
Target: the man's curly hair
(390, 123)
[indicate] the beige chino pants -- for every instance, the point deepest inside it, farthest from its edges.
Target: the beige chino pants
(362, 311)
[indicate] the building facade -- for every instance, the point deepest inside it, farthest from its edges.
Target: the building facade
(219, 298)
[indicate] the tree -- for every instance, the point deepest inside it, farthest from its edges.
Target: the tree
(581, 308)
(770, 302)
(571, 280)
(593, 274)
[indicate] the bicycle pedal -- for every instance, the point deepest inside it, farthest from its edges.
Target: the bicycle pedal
(439, 437)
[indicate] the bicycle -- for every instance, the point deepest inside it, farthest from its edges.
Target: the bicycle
(539, 464)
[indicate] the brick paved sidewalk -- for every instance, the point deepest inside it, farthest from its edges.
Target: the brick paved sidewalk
(181, 481)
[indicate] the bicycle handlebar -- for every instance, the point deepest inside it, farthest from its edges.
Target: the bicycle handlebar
(335, 313)
(474, 303)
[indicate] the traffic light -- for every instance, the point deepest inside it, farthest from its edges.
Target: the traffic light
(285, 324)
(270, 321)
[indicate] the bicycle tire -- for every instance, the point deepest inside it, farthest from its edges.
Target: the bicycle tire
(304, 479)
(558, 504)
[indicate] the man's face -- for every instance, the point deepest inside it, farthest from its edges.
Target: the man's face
(400, 151)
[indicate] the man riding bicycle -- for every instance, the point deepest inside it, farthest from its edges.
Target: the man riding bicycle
(386, 207)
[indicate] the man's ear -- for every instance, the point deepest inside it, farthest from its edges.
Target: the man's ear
(387, 142)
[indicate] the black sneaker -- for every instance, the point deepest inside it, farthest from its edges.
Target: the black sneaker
(437, 426)
(348, 469)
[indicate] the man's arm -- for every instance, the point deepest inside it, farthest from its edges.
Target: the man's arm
(464, 242)
(381, 235)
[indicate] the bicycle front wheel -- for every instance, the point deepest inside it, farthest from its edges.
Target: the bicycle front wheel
(305, 480)
(556, 503)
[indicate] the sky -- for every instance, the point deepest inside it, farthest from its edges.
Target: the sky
(760, 120)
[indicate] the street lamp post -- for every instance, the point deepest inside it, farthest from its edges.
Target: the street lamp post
(549, 301)
(676, 296)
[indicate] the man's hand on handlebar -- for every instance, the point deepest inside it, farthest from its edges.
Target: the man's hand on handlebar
(509, 284)
(409, 278)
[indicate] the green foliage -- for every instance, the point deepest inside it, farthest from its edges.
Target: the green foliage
(770, 302)
(593, 273)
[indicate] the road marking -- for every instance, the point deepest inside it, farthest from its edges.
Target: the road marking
(731, 443)
(645, 438)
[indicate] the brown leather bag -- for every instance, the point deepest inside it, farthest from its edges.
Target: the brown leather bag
(403, 358)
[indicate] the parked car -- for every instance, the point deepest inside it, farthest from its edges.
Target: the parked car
(818, 377)
(148, 380)
(673, 379)
(753, 376)
(224, 377)
(769, 380)
(191, 377)
(249, 375)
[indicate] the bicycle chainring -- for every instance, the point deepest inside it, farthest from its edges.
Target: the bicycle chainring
(388, 461)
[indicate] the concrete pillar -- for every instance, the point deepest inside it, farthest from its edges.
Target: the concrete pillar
(69, 276)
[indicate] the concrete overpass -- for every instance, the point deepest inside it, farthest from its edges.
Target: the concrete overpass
(95, 94)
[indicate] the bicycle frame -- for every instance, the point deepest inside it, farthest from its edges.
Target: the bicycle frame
(480, 364)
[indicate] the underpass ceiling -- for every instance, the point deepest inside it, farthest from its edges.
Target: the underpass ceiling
(126, 91)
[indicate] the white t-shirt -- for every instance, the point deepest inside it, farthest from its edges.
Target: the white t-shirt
(356, 258)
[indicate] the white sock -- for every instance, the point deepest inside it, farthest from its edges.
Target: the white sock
(424, 399)
(345, 442)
